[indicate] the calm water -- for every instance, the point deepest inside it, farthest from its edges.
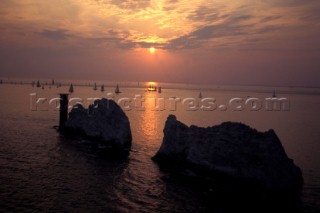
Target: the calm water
(43, 172)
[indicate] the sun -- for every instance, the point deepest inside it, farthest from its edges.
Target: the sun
(152, 50)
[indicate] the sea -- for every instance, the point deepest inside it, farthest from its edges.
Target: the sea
(42, 171)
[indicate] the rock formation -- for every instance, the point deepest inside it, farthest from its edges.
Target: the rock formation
(104, 123)
(232, 149)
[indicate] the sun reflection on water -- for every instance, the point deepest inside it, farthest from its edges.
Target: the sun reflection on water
(150, 117)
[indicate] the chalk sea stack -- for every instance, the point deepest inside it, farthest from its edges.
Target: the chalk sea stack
(104, 123)
(231, 149)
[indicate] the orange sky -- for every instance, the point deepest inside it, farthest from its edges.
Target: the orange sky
(218, 41)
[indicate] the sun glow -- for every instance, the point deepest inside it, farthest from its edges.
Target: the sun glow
(152, 50)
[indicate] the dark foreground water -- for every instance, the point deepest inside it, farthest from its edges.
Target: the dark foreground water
(43, 172)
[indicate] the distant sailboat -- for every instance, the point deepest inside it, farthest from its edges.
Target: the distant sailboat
(200, 95)
(117, 90)
(71, 88)
(95, 86)
(102, 88)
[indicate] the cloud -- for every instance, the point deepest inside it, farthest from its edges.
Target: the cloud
(204, 13)
(56, 35)
(195, 38)
(128, 44)
(240, 18)
(123, 40)
(118, 38)
(207, 23)
(291, 3)
(270, 18)
(170, 5)
(131, 4)
(267, 29)
(210, 14)
(231, 27)
(312, 15)
(216, 31)
(172, 1)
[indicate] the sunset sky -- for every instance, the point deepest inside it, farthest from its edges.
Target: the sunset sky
(273, 42)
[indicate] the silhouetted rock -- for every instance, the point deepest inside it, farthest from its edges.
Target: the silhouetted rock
(231, 149)
(104, 123)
